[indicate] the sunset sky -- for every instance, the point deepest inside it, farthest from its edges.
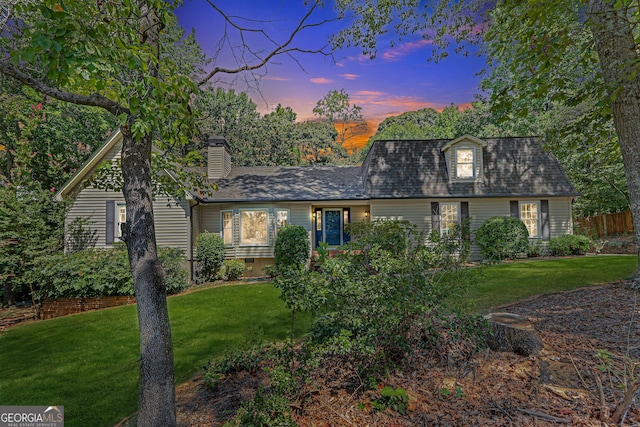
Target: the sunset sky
(399, 79)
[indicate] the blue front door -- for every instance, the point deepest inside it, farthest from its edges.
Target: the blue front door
(333, 227)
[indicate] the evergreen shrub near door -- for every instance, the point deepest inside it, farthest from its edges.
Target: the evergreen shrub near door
(100, 273)
(502, 237)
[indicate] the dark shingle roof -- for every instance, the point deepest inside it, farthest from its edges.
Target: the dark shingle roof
(404, 169)
(512, 167)
(304, 183)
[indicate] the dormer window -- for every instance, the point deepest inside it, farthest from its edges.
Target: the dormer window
(463, 157)
(465, 163)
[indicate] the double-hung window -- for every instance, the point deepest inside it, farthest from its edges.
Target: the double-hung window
(530, 215)
(449, 217)
(465, 163)
(227, 227)
(121, 220)
(282, 218)
(254, 227)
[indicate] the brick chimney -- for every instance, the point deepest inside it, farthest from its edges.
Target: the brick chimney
(218, 157)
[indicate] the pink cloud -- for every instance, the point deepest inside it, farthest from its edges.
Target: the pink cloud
(372, 101)
(369, 93)
(349, 76)
(275, 78)
(321, 80)
(404, 49)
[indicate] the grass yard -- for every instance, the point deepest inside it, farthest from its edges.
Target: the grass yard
(513, 281)
(87, 362)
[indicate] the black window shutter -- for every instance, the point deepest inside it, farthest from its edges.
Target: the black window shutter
(515, 210)
(435, 216)
(110, 222)
(464, 214)
(464, 210)
(544, 219)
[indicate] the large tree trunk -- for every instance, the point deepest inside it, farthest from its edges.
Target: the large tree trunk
(156, 403)
(619, 60)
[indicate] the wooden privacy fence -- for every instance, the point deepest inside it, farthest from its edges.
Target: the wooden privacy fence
(607, 225)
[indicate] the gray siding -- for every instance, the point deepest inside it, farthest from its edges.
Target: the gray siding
(209, 220)
(418, 211)
(172, 221)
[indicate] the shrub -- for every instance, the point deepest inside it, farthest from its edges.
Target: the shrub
(378, 289)
(233, 269)
(175, 270)
(210, 250)
(569, 244)
(502, 237)
(100, 272)
(291, 247)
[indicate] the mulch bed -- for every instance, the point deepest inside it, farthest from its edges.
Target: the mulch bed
(10, 316)
(558, 387)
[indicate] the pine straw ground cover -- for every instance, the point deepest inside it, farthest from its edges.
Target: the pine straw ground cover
(576, 381)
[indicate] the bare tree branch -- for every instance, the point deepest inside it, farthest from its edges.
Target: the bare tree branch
(94, 99)
(284, 48)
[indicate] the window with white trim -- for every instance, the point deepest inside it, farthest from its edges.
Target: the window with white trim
(449, 217)
(253, 227)
(530, 215)
(121, 220)
(465, 163)
(282, 218)
(227, 227)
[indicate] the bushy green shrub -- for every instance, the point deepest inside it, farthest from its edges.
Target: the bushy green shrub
(569, 244)
(502, 237)
(379, 287)
(233, 269)
(100, 272)
(210, 251)
(175, 269)
(292, 247)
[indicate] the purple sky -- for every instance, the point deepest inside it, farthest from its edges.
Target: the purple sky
(398, 80)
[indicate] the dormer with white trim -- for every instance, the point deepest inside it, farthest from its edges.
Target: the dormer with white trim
(464, 159)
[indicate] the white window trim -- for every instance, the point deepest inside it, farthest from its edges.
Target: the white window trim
(473, 163)
(240, 242)
(531, 202)
(117, 224)
(230, 211)
(275, 218)
(442, 204)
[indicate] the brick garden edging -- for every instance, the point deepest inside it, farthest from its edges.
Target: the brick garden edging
(65, 306)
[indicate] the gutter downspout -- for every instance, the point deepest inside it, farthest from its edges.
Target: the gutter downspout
(191, 239)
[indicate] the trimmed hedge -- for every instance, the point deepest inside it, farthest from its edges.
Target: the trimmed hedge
(100, 273)
(569, 244)
(502, 237)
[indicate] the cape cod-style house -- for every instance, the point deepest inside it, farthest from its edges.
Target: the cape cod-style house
(433, 184)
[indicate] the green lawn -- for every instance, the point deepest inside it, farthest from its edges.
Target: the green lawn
(87, 362)
(512, 281)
